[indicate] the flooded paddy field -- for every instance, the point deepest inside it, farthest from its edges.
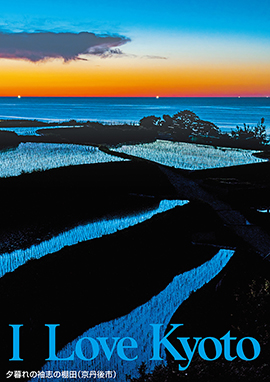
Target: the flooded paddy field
(41, 204)
(84, 284)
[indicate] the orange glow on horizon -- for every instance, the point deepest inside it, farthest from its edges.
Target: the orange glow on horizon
(130, 78)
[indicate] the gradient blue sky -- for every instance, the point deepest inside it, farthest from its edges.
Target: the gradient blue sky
(221, 34)
(244, 17)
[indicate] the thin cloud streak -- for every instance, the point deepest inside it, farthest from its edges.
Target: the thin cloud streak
(41, 46)
(151, 57)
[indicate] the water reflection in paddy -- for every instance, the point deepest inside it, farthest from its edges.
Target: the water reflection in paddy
(31, 130)
(137, 325)
(10, 261)
(190, 156)
(29, 157)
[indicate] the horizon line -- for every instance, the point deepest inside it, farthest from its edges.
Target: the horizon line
(155, 97)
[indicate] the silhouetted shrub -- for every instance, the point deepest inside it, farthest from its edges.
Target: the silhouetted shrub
(251, 133)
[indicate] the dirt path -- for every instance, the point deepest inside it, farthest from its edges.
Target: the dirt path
(251, 234)
(186, 188)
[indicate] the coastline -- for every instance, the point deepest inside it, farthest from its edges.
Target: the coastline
(148, 130)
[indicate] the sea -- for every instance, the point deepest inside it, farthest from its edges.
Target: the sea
(226, 112)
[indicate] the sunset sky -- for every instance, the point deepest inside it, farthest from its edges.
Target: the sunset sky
(135, 48)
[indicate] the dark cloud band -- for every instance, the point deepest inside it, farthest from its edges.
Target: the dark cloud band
(68, 46)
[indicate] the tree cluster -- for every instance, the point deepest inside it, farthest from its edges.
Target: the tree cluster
(187, 126)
